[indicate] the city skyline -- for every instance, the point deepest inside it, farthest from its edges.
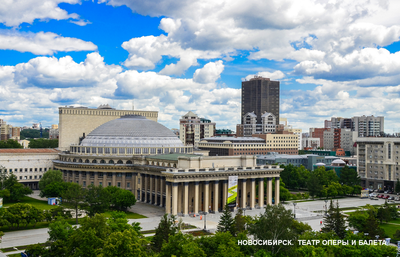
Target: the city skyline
(334, 59)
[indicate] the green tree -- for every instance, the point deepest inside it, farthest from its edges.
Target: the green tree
(118, 222)
(224, 244)
(49, 177)
(358, 220)
(372, 226)
(226, 222)
(43, 143)
(397, 187)
(349, 177)
(124, 243)
(180, 245)
(97, 200)
(121, 199)
(10, 143)
(384, 213)
(164, 230)
(314, 186)
(73, 197)
(33, 133)
(239, 222)
(54, 189)
(275, 223)
(334, 221)
(15, 189)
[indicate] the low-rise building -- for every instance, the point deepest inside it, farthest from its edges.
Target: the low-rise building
(28, 165)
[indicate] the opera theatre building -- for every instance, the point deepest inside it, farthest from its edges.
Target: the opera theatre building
(143, 156)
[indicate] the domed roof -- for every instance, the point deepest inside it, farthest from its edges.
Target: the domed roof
(339, 161)
(320, 164)
(132, 131)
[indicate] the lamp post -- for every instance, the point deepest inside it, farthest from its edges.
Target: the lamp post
(294, 209)
(326, 206)
(205, 220)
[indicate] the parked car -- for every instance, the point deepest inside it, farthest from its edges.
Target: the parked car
(391, 198)
(373, 195)
(397, 198)
(386, 197)
(390, 192)
(379, 196)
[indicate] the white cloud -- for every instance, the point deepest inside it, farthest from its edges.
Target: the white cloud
(43, 43)
(209, 73)
(15, 12)
(272, 75)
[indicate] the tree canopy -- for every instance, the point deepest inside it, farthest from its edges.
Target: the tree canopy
(43, 143)
(10, 143)
(49, 177)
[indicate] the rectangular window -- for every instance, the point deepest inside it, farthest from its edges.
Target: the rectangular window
(109, 184)
(119, 184)
(30, 177)
(128, 185)
(40, 176)
(45, 169)
(137, 151)
(114, 150)
(100, 183)
(30, 169)
(35, 169)
(138, 180)
(129, 150)
(88, 149)
(35, 177)
(20, 177)
(40, 169)
(84, 183)
(145, 150)
(15, 170)
(106, 150)
(121, 150)
(100, 150)
(152, 151)
(94, 150)
(20, 170)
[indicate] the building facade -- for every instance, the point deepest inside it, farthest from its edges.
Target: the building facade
(336, 138)
(77, 122)
(310, 143)
(258, 144)
(378, 161)
(192, 129)
(28, 165)
(260, 95)
(251, 127)
(145, 157)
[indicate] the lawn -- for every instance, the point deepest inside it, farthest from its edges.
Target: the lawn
(390, 229)
(37, 203)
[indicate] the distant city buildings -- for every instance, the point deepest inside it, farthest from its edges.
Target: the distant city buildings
(9, 131)
(192, 129)
(365, 126)
(54, 132)
(251, 127)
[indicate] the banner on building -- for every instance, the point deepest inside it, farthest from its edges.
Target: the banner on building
(232, 190)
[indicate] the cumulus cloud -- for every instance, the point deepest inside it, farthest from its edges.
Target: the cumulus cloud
(266, 74)
(13, 13)
(43, 43)
(209, 73)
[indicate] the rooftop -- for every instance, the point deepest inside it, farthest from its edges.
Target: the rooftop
(18, 150)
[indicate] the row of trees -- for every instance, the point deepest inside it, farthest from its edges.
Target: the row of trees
(43, 143)
(34, 133)
(321, 182)
(10, 189)
(23, 214)
(93, 199)
(10, 143)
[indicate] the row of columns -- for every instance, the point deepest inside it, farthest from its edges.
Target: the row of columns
(152, 185)
(178, 200)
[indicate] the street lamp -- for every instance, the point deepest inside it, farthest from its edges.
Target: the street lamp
(205, 220)
(326, 206)
(294, 209)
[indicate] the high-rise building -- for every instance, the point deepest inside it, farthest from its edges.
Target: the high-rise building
(260, 95)
(192, 129)
(365, 126)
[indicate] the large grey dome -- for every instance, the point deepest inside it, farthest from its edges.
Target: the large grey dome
(132, 131)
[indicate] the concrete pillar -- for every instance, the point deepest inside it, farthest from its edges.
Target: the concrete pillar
(96, 179)
(162, 183)
(185, 198)
(105, 179)
(151, 189)
(196, 197)
(216, 196)
(80, 178)
(261, 192)
(144, 187)
(244, 193)
(277, 191)
(174, 198)
(167, 197)
(206, 195)
(114, 177)
(269, 191)
(123, 181)
(156, 190)
(252, 192)
(224, 194)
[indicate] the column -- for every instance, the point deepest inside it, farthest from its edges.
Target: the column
(244, 193)
(144, 187)
(261, 192)
(167, 197)
(114, 177)
(269, 191)
(174, 198)
(104, 179)
(252, 192)
(196, 197)
(80, 178)
(277, 191)
(151, 189)
(123, 181)
(162, 181)
(225, 193)
(216, 189)
(185, 198)
(156, 190)
(206, 195)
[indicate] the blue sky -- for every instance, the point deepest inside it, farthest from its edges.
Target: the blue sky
(333, 58)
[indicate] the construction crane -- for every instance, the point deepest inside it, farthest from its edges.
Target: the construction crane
(41, 130)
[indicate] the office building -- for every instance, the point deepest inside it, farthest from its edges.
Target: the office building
(260, 95)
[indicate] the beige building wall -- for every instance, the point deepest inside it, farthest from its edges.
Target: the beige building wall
(76, 122)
